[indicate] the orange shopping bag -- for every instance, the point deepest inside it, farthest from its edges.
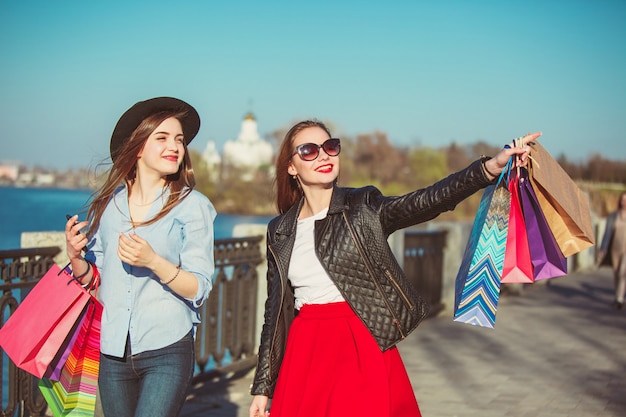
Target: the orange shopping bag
(564, 205)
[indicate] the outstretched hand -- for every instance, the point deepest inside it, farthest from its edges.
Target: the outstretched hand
(496, 164)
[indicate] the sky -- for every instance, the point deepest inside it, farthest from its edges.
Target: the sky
(427, 73)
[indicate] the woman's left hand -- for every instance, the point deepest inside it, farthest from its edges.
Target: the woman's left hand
(134, 250)
(496, 164)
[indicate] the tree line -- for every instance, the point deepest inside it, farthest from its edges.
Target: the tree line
(370, 158)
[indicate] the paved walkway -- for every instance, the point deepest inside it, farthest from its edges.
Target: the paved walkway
(557, 350)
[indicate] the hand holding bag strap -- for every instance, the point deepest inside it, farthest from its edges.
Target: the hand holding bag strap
(93, 283)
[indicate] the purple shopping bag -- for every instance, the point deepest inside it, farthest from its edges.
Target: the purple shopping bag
(546, 256)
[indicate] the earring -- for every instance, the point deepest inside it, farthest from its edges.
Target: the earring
(295, 178)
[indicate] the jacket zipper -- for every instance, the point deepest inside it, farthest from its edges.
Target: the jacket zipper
(396, 322)
(402, 294)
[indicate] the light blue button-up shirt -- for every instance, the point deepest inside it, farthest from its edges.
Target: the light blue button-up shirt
(135, 302)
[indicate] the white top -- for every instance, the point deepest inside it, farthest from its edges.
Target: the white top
(311, 282)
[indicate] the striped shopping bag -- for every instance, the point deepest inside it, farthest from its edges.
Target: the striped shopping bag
(74, 394)
(477, 287)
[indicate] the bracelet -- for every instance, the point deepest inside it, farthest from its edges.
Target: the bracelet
(89, 284)
(173, 278)
(486, 170)
(84, 274)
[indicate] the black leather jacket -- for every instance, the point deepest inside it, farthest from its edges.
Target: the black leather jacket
(351, 243)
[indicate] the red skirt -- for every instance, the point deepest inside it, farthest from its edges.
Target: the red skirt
(334, 368)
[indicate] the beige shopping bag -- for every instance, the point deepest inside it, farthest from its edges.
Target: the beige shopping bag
(564, 205)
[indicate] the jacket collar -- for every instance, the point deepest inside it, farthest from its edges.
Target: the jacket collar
(289, 221)
(338, 201)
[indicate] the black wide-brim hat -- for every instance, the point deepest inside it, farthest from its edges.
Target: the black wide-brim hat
(129, 121)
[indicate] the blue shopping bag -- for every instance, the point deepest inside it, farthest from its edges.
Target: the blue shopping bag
(477, 286)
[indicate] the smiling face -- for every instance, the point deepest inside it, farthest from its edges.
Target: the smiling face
(164, 149)
(323, 170)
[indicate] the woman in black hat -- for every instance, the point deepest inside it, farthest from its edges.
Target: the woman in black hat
(150, 236)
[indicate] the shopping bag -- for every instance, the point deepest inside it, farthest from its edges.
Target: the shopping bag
(75, 392)
(39, 327)
(564, 205)
(54, 369)
(517, 268)
(477, 286)
(545, 254)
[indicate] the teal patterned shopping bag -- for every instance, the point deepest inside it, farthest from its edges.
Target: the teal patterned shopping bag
(477, 287)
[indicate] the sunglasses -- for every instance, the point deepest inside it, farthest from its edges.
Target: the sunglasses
(310, 151)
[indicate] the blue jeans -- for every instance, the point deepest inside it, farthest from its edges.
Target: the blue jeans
(148, 384)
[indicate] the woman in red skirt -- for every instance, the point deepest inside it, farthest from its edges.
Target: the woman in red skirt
(335, 288)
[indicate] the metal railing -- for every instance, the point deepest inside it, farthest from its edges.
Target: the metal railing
(20, 270)
(225, 340)
(423, 264)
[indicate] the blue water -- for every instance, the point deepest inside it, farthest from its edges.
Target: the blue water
(44, 209)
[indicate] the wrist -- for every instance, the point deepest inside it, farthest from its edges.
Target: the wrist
(165, 271)
(489, 167)
(84, 274)
(174, 276)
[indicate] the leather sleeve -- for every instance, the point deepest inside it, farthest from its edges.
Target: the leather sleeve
(279, 313)
(427, 203)
(262, 383)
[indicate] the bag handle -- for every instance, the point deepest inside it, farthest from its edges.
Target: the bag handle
(92, 285)
(506, 170)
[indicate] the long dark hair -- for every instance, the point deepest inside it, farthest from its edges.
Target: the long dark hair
(288, 191)
(124, 171)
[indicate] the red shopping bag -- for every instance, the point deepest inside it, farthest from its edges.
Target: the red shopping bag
(518, 267)
(35, 333)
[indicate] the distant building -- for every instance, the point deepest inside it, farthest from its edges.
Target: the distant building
(248, 153)
(213, 161)
(9, 171)
(45, 179)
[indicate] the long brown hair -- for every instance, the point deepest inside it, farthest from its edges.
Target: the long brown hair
(124, 171)
(288, 191)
